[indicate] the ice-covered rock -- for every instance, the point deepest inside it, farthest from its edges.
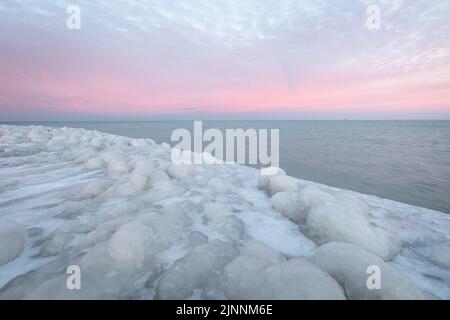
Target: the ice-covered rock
(326, 216)
(260, 273)
(343, 222)
(281, 183)
(297, 280)
(195, 270)
(143, 168)
(136, 241)
(93, 189)
(117, 167)
(12, 240)
(180, 171)
(288, 204)
(351, 267)
(264, 179)
(94, 163)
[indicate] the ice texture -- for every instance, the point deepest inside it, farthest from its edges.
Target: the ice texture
(349, 265)
(12, 240)
(140, 226)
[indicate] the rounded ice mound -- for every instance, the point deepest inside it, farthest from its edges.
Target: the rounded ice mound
(326, 215)
(339, 222)
(94, 164)
(93, 189)
(348, 265)
(264, 179)
(346, 221)
(243, 273)
(288, 203)
(130, 244)
(180, 171)
(297, 280)
(157, 176)
(281, 183)
(261, 273)
(117, 167)
(143, 168)
(136, 241)
(12, 240)
(195, 270)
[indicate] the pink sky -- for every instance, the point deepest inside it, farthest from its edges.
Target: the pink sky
(294, 59)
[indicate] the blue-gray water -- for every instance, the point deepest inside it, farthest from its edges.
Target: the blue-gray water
(407, 161)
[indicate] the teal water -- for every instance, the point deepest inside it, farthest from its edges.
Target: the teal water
(407, 161)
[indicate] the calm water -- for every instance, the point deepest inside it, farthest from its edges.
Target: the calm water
(407, 161)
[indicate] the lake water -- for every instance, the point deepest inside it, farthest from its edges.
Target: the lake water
(407, 161)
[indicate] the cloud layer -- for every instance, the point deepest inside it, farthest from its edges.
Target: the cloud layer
(290, 58)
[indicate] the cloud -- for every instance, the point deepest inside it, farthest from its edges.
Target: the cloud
(200, 54)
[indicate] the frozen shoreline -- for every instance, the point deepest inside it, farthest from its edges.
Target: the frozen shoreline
(141, 227)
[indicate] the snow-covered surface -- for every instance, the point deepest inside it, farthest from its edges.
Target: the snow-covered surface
(142, 227)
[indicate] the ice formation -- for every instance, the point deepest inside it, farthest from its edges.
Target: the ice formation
(142, 227)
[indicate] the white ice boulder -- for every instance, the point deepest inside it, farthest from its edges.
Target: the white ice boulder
(129, 245)
(157, 176)
(325, 216)
(135, 242)
(143, 168)
(12, 240)
(180, 171)
(281, 183)
(93, 189)
(352, 267)
(264, 179)
(289, 205)
(117, 167)
(297, 280)
(195, 270)
(94, 164)
(261, 273)
(343, 221)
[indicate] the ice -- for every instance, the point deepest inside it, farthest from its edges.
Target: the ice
(94, 163)
(142, 227)
(12, 240)
(117, 167)
(135, 242)
(220, 218)
(281, 183)
(260, 273)
(349, 264)
(195, 270)
(327, 216)
(93, 189)
(180, 171)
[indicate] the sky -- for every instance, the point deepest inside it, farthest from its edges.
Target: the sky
(220, 59)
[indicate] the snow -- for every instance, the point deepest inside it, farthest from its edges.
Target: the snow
(142, 227)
